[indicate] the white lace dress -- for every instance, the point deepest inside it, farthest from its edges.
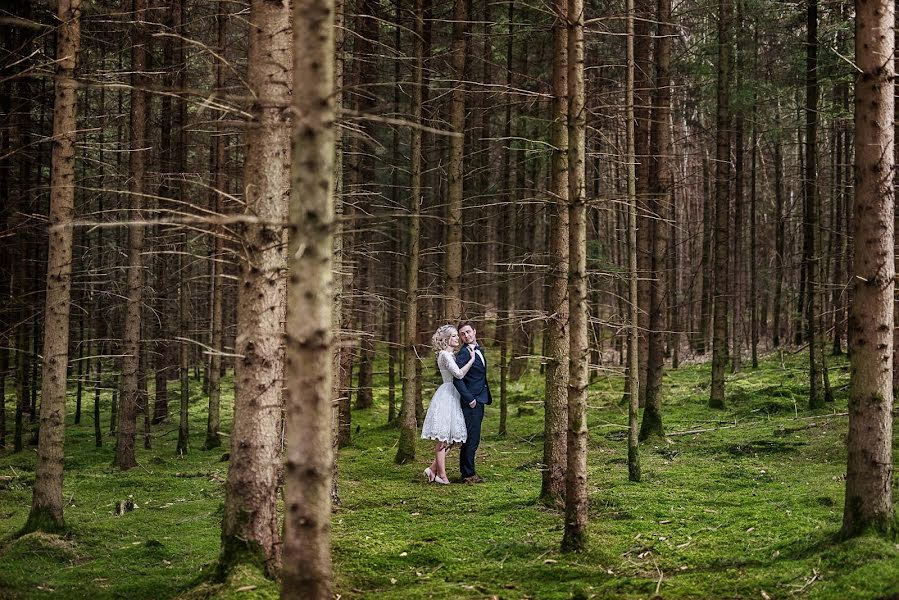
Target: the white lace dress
(444, 420)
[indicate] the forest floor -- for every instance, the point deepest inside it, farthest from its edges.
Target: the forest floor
(737, 503)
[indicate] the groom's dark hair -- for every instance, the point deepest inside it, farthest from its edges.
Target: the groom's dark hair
(464, 324)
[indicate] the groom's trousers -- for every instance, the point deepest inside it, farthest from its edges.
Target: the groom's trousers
(473, 418)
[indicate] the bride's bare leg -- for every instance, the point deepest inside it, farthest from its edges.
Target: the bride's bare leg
(441, 461)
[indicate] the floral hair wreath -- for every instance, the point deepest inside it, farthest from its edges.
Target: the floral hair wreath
(440, 337)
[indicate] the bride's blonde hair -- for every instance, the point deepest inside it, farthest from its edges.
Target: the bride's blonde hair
(440, 339)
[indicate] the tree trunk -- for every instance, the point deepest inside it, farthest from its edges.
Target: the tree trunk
(250, 524)
(213, 440)
(46, 502)
(753, 242)
(869, 472)
(576, 498)
(661, 189)
(737, 261)
(722, 202)
(810, 223)
(129, 399)
(307, 521)
(779, 232)
(632, 383)
(408, 421)
(343, 268)
(642, 39)
(184, 266)
(555, 419)
(453, 291)
(705, 309)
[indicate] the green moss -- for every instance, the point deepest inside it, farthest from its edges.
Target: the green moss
(753, 502)
(44, 520)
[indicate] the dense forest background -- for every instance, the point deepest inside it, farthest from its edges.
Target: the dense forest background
(237, 223)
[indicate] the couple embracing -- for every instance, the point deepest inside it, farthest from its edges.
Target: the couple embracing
(457, 407)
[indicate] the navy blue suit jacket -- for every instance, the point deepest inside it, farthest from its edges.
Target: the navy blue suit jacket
(474, 385)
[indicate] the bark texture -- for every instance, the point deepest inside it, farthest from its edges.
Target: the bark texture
(722, 203)
(576, 500)
(408, 422)
(555, 399)
(869, 471)
(129, 400)
(250, 530)
(307, 491)
(46, 501)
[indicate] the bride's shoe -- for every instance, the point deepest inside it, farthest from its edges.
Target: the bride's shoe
(439, 479)
(429, 475)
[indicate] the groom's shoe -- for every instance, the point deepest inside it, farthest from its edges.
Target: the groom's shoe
(474, 479)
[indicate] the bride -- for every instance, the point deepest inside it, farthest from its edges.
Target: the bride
(444, 421)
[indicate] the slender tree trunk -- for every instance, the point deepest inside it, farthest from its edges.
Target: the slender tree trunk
(753, 243)
(336, 258)
(779, 232)
(307, 521)
(642, 89)
(576, 498)
(632, 383)
(705, 309)
(184, 266)
(722, 202)
(46, 502)
(737, 262)
(810, 223)
(213, 423)
(129, 399)
(250, 524)
(508, 228)
(343, 268)
(869, 472)
(840, 227)
(660, 186)
(408, 422)
(453, 291)
(555, 400)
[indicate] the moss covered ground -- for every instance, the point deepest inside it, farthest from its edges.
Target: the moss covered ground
(746, 506)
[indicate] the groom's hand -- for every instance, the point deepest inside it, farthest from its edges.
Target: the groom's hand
(473, 403)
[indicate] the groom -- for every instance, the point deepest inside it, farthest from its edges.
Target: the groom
(475, 393)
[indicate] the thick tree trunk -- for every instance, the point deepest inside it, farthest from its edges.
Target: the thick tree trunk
(307, 521)
(129, 399)
(46, 502)
(722, 203)
(555, 400)
(250, 531)
(576, 498)
(869, 472)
